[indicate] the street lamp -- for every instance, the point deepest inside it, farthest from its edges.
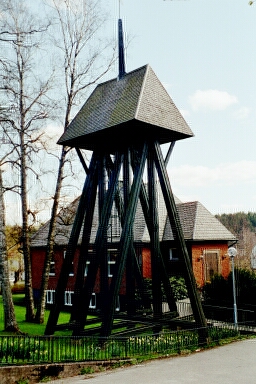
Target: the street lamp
(232, 252)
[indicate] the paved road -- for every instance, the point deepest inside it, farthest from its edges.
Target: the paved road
(231, 364)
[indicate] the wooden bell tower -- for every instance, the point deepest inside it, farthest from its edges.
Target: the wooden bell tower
(124, 122)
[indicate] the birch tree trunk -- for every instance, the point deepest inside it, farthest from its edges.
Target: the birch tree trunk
(10, 323)
(25, 239)
(22, 33)
(50, 241)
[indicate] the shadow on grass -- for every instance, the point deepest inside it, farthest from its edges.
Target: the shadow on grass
(30, 328)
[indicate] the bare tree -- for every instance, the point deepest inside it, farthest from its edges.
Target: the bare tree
(82, 65)
(10, 322)
(26, 93)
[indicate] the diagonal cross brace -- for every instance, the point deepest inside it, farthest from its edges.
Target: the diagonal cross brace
(177, 232)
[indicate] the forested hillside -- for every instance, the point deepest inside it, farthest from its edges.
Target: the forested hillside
(237, 222)
(243, 225)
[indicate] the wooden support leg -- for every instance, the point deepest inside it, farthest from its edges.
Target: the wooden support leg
(120, 209)
(125, 244)
(71, 248)
(104, 254)
(99, 245)
(78, 302)
(177, 231)
(130, 277)
(165, 278)
(154, 237)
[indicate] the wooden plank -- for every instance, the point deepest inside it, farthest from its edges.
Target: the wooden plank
(154, 237)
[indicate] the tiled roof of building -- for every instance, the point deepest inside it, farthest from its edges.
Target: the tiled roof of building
(119, 111)
(64, 226)
(198, 224)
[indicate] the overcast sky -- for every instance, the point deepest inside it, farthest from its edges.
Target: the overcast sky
(204, 52)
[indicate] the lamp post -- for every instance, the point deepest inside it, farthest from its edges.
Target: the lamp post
(232, 252)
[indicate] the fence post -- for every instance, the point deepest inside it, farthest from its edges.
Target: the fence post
(52, 348)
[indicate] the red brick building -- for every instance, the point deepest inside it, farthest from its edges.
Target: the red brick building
(206, 238)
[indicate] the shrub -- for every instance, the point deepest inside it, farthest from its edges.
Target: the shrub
(217, 290)
(179, 287)
(245, 286)
(177, 283)
(86, 370)
(220, 290)
(22, 381)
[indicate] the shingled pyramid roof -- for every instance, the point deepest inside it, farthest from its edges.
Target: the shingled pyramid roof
(126, 110)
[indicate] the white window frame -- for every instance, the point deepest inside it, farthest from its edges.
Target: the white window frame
(171, 258)
(114, 228)
(50, 296)
(110, 262)
(71, 273)
(118, 304)
(72, 266)
(92, 304)
(86, 268)
(68, 298)
(52, 263)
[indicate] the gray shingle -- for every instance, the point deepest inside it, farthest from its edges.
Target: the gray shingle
(208, 226)
(198, 224)
(126, 110)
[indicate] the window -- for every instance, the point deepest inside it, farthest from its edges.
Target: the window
(92, 304)
(52, 267)
(211, 263)
(173, 254)
(86, 268)
(140, 259)
(68, 298)
(50, 295)
(69, 302)
(117, 304)
(112, 255)
(88, 262)
(114, 228)
(71, 272)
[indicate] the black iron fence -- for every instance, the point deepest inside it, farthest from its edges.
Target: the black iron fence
(226, 314)
(56, 349)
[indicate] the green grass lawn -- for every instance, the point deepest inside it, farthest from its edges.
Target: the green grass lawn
(38, 329)
(30, 328)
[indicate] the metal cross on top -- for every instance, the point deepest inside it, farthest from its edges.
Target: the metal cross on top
(123, 122)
